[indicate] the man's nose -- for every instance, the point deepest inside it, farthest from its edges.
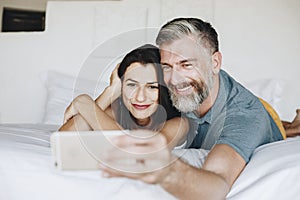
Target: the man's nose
(176, 77)
(140, 94)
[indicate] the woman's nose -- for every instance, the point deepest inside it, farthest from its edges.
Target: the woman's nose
(140, 94)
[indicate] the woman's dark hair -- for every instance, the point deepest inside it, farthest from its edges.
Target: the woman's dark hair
(147, 54)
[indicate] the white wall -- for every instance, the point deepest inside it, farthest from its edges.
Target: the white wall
(258, 40)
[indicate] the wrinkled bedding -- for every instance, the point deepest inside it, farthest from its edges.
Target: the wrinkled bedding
(26, 172)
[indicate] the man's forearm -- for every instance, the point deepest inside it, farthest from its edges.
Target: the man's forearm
(175, 131)
(187, 182)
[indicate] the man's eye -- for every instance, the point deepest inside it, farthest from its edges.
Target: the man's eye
(187, 65)
(131, 84)
(166, 68)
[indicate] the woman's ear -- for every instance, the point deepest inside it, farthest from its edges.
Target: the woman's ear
(216, 62)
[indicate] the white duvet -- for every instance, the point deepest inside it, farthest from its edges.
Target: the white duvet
(26, 172)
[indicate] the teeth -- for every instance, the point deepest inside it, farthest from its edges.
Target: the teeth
(183, 89)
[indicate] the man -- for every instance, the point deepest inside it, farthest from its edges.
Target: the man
(230, 121)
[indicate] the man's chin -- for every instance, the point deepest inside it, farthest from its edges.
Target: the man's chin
(185, 104)
(185, 109)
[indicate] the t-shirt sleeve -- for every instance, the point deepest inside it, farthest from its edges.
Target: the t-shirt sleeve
(245, 131)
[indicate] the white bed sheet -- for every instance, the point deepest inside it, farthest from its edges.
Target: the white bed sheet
(26, 172)
(272, 173)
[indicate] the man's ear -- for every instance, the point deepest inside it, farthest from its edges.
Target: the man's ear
(216, 59)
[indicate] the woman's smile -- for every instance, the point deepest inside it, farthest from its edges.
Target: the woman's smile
(141, 107)
(140, 90)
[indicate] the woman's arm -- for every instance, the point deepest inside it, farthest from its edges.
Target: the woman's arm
(76, 123)
(175, 131)
(84, 114)
(105, 99)
(95, 117)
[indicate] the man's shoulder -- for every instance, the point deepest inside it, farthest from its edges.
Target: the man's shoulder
(234, 91)
(229, 81)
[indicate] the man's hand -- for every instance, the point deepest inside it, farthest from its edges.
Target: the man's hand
(148, 159)
(141, 155)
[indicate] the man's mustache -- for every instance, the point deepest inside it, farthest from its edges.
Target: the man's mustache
(185, 84)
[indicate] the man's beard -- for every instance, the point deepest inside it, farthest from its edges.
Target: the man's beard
(190, 102)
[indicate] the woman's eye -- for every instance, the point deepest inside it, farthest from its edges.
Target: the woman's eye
(153, 87)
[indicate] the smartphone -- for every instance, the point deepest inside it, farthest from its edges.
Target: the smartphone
(81, 150)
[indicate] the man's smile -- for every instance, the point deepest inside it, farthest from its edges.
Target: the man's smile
(182, 88)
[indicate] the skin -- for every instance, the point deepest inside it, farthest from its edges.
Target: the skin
(140, 91)
(185, 61)
(140, 95)
(293, 128)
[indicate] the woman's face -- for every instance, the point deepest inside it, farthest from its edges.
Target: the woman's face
(140, 91)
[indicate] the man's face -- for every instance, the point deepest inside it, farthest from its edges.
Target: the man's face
(187, 72)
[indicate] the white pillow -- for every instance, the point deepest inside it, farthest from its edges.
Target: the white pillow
(61, 89)
(270, 90)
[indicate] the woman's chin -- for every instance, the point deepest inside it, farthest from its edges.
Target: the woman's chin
(142, 119)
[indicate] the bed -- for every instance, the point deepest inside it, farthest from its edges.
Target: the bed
(27, 172)
(26, 168)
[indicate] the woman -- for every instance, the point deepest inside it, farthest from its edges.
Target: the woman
(139, 100)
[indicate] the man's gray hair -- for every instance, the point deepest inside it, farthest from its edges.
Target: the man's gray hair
(181, 27)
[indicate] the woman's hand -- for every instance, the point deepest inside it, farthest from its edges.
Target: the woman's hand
(115, 83)
(70, 112)
(112, 92)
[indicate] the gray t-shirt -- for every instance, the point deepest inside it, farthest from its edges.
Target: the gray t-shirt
(237, 119)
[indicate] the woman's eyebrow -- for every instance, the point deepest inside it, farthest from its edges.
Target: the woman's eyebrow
(150, 83)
